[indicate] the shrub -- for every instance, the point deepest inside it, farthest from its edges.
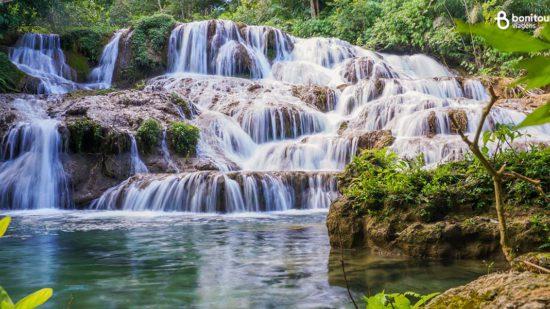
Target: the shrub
(88, 42)
(149, 41)
(377, 181)
(148, 134)
(183, 138)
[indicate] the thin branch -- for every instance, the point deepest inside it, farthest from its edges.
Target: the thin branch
(486, 111)
(344, 267)
(534, 182)
(537, 267)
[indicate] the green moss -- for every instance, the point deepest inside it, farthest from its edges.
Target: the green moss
(183, 138)
(85, 136)
(179, 101)
(148, 134)
(88, 42)
(79, 63)
(377, 182)
(80, 93)
(10, 76)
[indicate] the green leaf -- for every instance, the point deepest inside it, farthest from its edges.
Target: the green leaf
(4, 223)
(401, 301)
(509, 40)
(545, 33)
(35, 299)
(539, 116)
(377, 301)
(5, 300)
(538, 72)
(424, 299)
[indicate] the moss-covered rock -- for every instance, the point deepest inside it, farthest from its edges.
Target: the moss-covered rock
(144, 50)
(148, 135)
(14, 80)
(183, 138)
(85, 135)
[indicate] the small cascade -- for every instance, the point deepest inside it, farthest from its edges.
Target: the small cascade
(473, 89)
(31, 172)
(102, 76)
(137, 165)
(221, 47)
(40, 55)
(166, 154)
(222, 192)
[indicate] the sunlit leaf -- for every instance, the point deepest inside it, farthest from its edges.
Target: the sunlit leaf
(35, 299)
(539, 116)
(509, 40)
(424, 299)
(4, 223)
(5, 300)
(545, 32)
(538, 72)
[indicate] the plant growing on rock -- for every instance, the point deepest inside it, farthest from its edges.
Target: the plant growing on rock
(30, 301)
(85, 136)
(183, 138)
(148, 134)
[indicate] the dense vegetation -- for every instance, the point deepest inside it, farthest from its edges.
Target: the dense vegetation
(391, 25)
(183, 138)
(148, 134)
(378, 182)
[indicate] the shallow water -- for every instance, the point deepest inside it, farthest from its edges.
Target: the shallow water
(161, 260)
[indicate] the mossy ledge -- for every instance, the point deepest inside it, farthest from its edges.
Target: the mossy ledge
(392, 207)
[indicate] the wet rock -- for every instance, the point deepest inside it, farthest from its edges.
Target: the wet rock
(499, 290)
(375, 139)
(460, 118)
(365, 67)
(320, 97)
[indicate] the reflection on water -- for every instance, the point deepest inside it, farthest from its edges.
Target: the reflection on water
(119, 260)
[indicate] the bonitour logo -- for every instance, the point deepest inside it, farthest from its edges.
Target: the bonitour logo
(520, 22)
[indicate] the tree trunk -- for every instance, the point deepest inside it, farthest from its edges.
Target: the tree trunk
(504, 241)
(314, 5)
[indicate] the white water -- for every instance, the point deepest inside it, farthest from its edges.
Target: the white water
(137, 165)
(31, 173)
(40, 55)
(102, 76)
(276, 149)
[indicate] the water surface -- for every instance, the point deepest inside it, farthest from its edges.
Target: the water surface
(160, 260)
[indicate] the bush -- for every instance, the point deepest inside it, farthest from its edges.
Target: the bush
(378, 181)
(183, 138)
(88, 42)
(149, 41)
(148, 134)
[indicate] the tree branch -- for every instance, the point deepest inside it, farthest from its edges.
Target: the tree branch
(485, 113)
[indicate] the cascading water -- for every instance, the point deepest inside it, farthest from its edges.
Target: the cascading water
(31, 173)
(102, 76)
(40, 55)
(137, 165)
(277, 141)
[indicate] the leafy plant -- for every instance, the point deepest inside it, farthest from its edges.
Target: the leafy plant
(183, 137)
(31, 301)
(148, 134)
(405, 300)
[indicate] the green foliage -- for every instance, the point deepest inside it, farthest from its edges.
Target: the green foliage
(10, 76)
(539, 116)
(85, 136)
(378, 181)
(30, 301)
(407, 300)
(88, 42)
(512, 40)
(183, 138)
(148, 134)
(181, 103)
(149, 41)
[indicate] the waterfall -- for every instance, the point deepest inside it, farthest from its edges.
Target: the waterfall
(31, 172)
(102, 76)
(137, 165)
(166, 154)
(222, 192)
(40, 55)
(279, 116)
